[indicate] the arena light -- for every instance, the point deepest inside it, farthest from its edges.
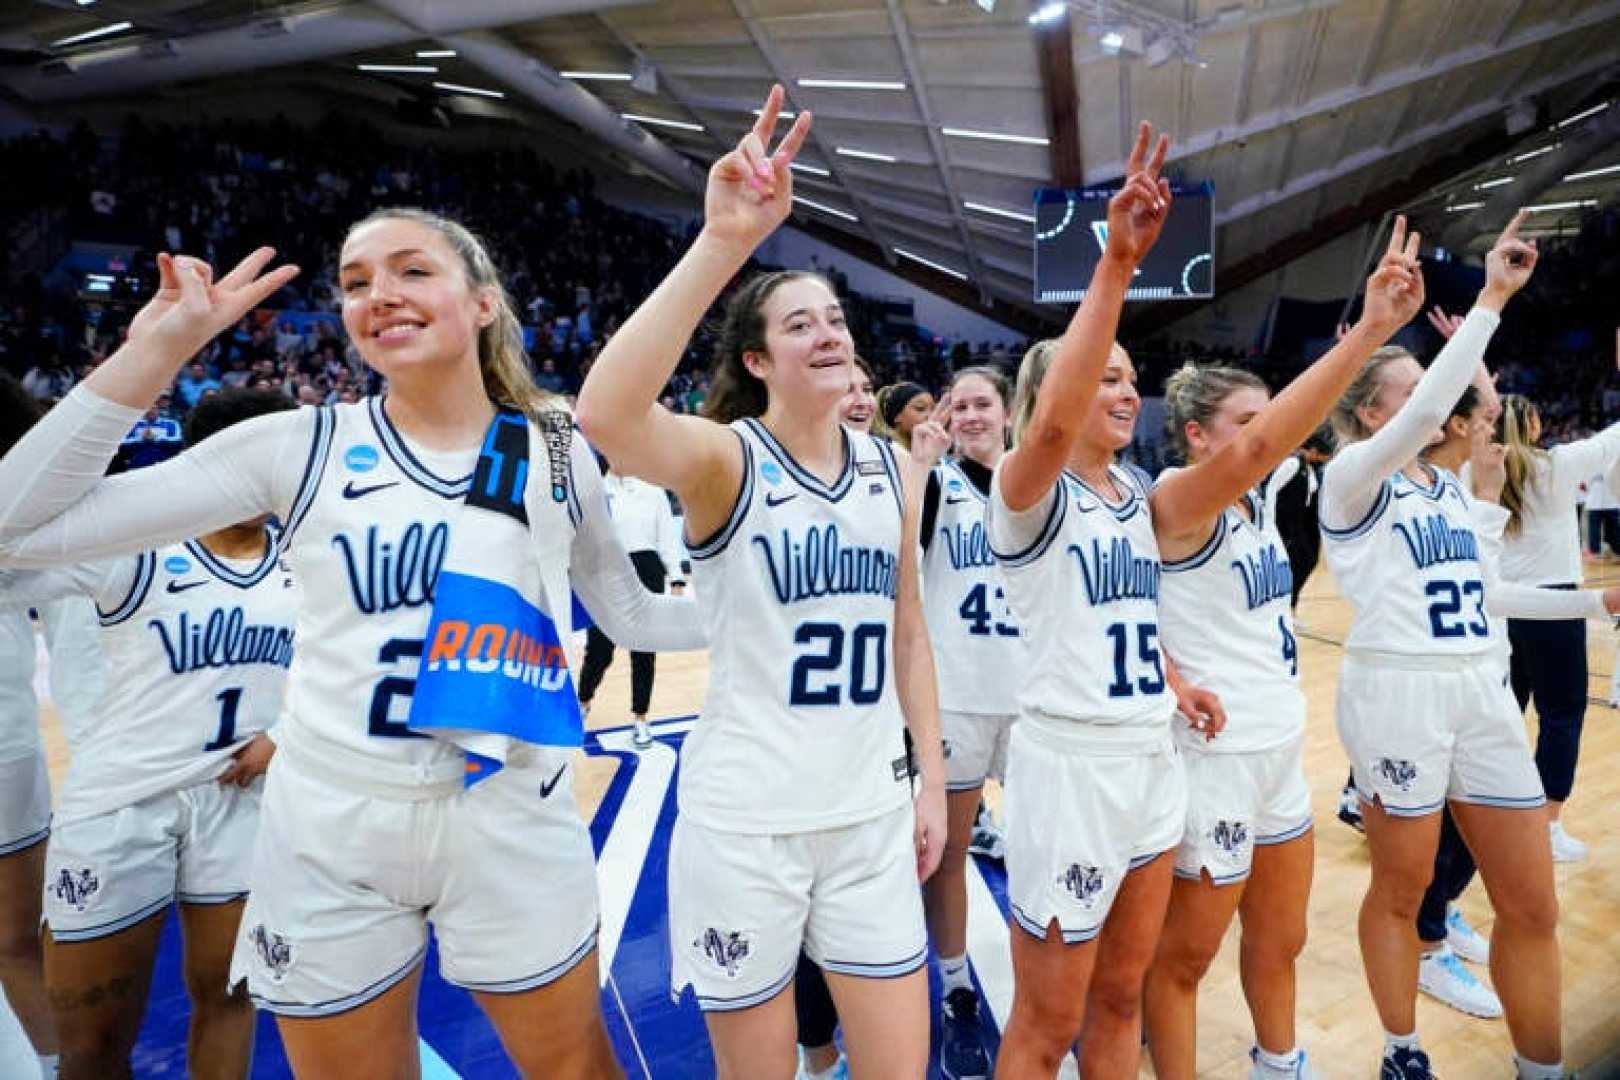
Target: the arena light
(1578, 117)
(91, 35)
(478, 91)
(1457, 208)
(809, 170)
(400, 69)
(597, 76)
(995, 136)
(825, 209)
(1486, 185)
(1534, 153)
(1571, 204)
(865, 155)
(1048, 13)
(930, 263)
(1589, 173)
(785, 114)
(996, 211)
(852, 84)
(435, 54)
(659, 121)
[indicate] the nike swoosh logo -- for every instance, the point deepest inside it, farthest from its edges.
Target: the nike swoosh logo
(778, 500)
(182, 586)
(957, 499)
(547, 786)
(1404, 494)
(352, 492)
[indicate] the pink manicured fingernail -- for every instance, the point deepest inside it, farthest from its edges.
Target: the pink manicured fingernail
(764, 170)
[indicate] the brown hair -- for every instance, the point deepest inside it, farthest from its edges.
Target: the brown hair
(1195, 392)
(734, 391)
(993, 376)
(1363, 390)
(502, 360)
(1513, 429)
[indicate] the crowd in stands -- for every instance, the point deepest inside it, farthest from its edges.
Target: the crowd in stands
(574, 264)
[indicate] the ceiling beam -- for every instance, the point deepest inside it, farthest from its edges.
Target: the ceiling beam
(1054, 50)
(1510, 17)
(1376, 42)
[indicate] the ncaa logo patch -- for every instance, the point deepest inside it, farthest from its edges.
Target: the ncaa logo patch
(75, 888)
(360, 458)
(771, 471)
(1084, 883)
(274, 952)
(953, 485)
(725, 949)
(177, 565)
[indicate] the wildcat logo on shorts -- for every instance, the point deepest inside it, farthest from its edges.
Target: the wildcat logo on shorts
(1397, 771)
(726, 949)
(76, 888)
(274, 951)
(1230, 837)
(1084, 883)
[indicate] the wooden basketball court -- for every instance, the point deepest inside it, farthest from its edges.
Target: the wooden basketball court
(1337, 1022)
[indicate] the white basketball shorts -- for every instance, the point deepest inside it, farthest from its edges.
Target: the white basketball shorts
(346, 882)
(975, 747)
(25, 802)
(741, 906)
(1237, 802)
(106, 873)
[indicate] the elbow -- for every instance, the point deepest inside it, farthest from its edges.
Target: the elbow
(592, 419)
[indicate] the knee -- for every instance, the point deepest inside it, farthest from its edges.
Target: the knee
(1184, 963)
(1398, 892)
(1529, 910)
(20, 943)
(210, 992)
(1050, 1027)
(1116, 995)
(1278, 945)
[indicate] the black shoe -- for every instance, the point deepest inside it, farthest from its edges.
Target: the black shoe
(1350, 809)
(1403, 1064)
(961, 1047)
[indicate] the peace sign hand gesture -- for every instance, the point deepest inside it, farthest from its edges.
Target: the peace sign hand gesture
(190, 307)
(1138, 211)
(1395, 289)
(750, 191)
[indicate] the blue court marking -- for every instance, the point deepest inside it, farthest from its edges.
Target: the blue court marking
(457, 1041)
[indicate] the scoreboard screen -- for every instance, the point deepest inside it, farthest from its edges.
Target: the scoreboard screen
(1071, 232)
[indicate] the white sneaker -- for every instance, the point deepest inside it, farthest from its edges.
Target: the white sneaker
(840, 1069)
(1301, 1069)
(1464, 940)
(1443, 977)
(1565, 848)
(642, 738)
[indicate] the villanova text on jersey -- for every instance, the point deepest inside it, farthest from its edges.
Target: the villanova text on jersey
(223, 640)
(1116, 572)
(1267, 575)
(819, 565)
(967, 547)
(1433, 540)
(395, 575)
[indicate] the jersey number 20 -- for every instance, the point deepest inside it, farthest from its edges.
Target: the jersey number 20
(824, 665)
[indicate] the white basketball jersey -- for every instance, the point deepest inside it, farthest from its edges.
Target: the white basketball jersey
(978, 654)
(1225, 615)
(801, 728)
(19, 709)
(1411, 571)
(196, 658)
(1086, 593)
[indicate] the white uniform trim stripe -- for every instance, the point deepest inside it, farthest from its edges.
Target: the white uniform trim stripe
(1034, 929)
(747, 1001)
(715, 544)
(1214, 879)
(123, 922)
(145, 570)
(343, 1004)
(886, 452)
(229, 576)
(807, 479)
(1049, 531)
(1286, 835)
(1525, 802)
(895, 970)
(1121, 510)
(1364, 526)
(1203, 554)
(951, 464)
(26, 842)
(211, 899)
(539, 979)
(320, 446)
(412, 468)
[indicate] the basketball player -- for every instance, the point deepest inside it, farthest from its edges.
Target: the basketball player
(1225, 617)
(161, 803)
(1095, 795)
(367, 831)
(977, 658)
(796, 824)
(901, 407)
(860, 407)
(1419, 705)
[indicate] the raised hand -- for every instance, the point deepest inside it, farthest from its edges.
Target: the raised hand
(1395, 289)
(190, 307)
(1509, 264)
(1445, 325)
(1138, 211)
(750, 190)
(929, 442)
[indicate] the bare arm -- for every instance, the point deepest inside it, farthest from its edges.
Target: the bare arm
(1186, 504)
(1135, 216)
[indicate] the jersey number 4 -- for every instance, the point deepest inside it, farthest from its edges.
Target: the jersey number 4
(976, 610)
(824, 665)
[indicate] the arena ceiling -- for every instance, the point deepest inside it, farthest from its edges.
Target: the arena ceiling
(1310, 117)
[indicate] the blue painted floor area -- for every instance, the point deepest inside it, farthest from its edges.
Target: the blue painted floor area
(654, 1035)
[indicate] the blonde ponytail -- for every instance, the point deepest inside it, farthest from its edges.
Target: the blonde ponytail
(1513, 431)
(1196, 392)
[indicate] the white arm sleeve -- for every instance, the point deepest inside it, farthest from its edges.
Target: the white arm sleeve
(56, 506)
(1575, 463)
(107, 583)
(670, 548)
(1351, 482)
(603, 576)
(1511, 600)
